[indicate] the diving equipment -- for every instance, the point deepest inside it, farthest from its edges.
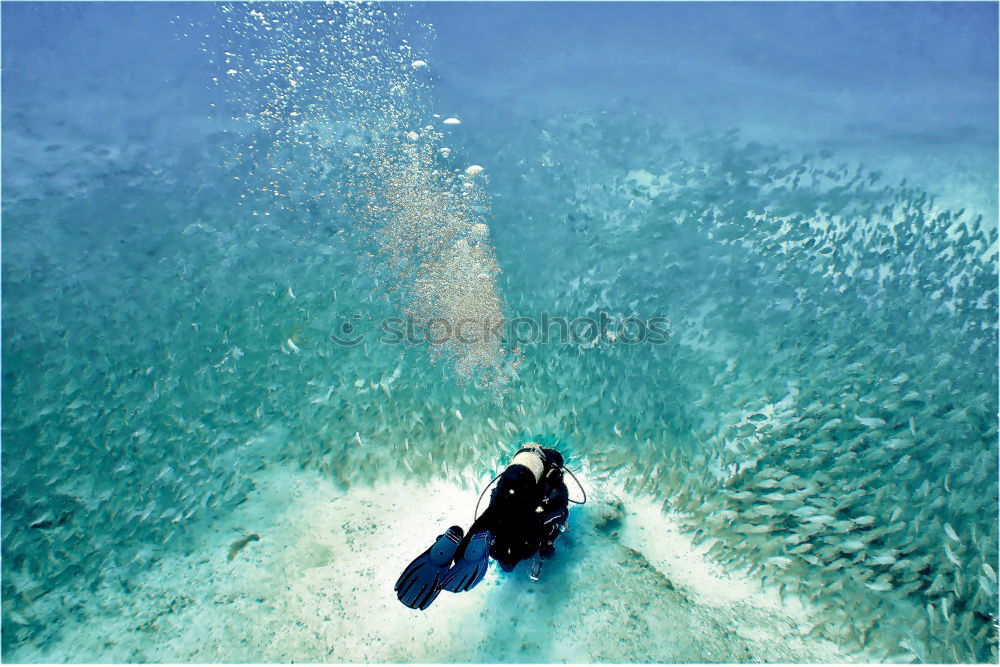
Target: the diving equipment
(422, 579)
(470, 566)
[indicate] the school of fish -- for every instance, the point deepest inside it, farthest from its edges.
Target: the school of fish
(823, 413)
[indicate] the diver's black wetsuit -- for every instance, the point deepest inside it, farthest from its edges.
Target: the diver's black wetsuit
(527, 511)
(525, 514)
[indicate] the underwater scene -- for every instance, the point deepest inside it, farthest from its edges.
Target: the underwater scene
(706, 293)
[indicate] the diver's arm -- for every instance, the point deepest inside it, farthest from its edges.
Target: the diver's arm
(555, 506)
(552, 529)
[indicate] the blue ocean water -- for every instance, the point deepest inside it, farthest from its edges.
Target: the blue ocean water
(211, 213)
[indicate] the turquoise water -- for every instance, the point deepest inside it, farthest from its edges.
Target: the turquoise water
(212, 212)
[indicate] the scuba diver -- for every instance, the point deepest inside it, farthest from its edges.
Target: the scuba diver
(527, 512)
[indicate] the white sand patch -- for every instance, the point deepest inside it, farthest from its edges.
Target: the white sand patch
(660, 539)
(625, 586)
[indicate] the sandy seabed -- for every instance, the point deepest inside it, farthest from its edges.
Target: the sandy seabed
(626, 585)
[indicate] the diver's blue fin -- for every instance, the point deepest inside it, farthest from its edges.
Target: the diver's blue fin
(470, 568)
(421, 581)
